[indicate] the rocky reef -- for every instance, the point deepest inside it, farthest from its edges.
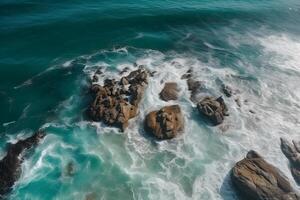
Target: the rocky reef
(115, 102)
(11, 163)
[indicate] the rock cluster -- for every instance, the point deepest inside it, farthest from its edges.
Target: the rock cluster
(165, 123)
(213, 108)
(169, 92)
(116, 102)
(255, 179)
(292, 152)
(10, 164)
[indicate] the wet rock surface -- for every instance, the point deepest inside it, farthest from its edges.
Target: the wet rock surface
(256, 179)
(213, 109)
(165, 123)
(169, 92)
(11, 163)
(227, 90)
(116, 102)
(292, 152)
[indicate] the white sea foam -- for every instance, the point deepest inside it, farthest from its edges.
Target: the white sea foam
(195, 165)
(284, 51)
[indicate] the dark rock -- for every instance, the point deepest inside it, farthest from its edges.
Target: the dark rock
(169, 92)
(255, 179)
(252, 111)
(292, 152)
(227, 90)
(95, 78)
(165, 123)
(126, 69)
(187, 75)
(153, 73)
(10, 165)
(213, 108)
(99, 71)
(115, 104)
(70, 169)
(238, 102)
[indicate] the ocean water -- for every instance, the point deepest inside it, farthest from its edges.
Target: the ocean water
(49, 49)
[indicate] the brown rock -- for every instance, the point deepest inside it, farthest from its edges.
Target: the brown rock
(165, 123)
(255, 179)
(213, 109)
(292, 152)
(113, 103)
(169, 92)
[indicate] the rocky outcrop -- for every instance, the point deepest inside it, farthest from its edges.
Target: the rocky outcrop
(169, 92)
(11, 163)
(116, 102)
(213, 109)
(165, 123)
(292, 152)
(255, 179)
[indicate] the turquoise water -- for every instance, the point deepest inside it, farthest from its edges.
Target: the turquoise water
(49, 49)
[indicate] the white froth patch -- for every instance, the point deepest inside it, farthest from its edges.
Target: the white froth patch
(286, 49)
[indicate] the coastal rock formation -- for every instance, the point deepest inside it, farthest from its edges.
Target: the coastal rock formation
(255, 179)
(116, 102)
(292, 152)
(169, 92)
(165, 123)
(213, 108)
(11, 163)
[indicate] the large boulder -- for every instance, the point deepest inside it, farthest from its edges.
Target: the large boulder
(213, 108)
(292, 152)
(256, 179)
(165, 123)
(11, 163)
(169, 92)
(116, 102)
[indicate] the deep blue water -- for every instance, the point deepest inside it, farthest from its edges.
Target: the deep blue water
(48, 50)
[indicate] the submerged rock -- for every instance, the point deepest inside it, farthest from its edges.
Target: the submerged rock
(213, 108)
(194, 87)
(255, 179)
(292, 152)
(11, 163)
(169, 92)
(165, 123)
(227, 90)
(116, 102)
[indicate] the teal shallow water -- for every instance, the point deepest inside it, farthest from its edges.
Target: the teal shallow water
(50, 48)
